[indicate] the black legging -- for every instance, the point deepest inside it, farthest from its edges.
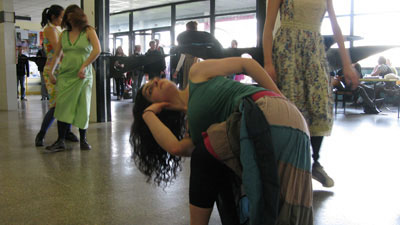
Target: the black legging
(63, 129)
(316, 142)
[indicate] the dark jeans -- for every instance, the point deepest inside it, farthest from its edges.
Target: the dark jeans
(120, 86)
(21, 81)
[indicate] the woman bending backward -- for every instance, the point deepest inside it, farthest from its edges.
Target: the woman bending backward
(158, 140)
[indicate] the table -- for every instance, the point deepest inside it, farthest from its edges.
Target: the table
(378, 80)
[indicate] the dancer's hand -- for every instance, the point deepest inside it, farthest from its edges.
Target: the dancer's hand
(81, 73)
(351, 77)
(271, 71)
(156, 108)
(52, 78)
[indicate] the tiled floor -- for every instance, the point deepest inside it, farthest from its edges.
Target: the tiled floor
(103, 186)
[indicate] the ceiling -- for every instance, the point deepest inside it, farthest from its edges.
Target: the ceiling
(122, 5)
(34, 8)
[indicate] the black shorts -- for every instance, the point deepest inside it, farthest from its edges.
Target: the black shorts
(208, 178)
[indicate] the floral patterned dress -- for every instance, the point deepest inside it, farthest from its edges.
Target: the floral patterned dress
(49, 54)
(300, 62)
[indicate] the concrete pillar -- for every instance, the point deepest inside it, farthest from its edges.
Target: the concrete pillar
(97, 12)
(8, 77)
(88, 8)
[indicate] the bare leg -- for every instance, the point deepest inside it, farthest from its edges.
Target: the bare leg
(199, 216)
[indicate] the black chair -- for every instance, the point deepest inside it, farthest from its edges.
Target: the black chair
(344, 95)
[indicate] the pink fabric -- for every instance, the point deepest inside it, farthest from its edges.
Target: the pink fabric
(208, 146)
(261, 94)
(239, 77)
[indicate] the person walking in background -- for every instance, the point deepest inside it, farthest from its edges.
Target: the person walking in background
(119, 76)
(51, 19)
(296, 60)
(199, 43)
(22, 70)
(156, 69)
(185, 40)
(41, 62)
(158, 47)
(161, 50)
(80, 47)
(137, 73)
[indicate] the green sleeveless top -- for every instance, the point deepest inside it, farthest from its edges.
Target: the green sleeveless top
(213, 101)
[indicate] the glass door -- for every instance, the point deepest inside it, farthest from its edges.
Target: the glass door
(122, 41)
(143, 38)
(164, 36)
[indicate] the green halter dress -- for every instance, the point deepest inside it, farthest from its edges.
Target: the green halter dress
(73, 93)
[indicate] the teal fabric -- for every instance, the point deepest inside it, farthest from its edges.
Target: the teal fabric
(251, 176)
(213, 101)
(287, 138)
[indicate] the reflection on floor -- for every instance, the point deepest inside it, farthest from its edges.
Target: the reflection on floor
(103, 186)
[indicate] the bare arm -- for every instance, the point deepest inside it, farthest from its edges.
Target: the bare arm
(272, 12)
(376, 71)
(56, 57)
(94, 41)
(208, 69)
(165, 138)
(180, 62)
(163, 135)
(348, 71)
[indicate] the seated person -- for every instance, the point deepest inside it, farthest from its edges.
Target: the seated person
(389, 63)
(364, 92)
(381, 69)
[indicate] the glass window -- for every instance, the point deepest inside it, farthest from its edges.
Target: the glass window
(374, 6)
(242, 28)
(119, 23)
(122, 41)
(143, 38)
(152, 18)
(234, 6)
(110, 44)
(342, 7)
(344, 24)
(377, 29)
(195, 9)
(391, 54)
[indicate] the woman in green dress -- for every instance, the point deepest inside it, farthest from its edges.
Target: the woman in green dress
(79, 46)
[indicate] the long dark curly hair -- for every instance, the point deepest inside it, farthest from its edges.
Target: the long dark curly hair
(153, 161)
